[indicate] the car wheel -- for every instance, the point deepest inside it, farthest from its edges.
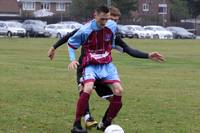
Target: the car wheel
(9, 34)
(136, 36)
(156, 36)
(58, 35)
(179, 37)
(27, 34)
(35, 34)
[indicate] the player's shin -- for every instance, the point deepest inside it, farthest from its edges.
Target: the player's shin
(114, 107)
(82, 105)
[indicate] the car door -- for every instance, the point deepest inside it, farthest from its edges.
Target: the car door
(3, 29)
(28, 26)
(52, 29)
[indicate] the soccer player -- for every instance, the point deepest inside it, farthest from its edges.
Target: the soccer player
(96, 38)
(104, 90)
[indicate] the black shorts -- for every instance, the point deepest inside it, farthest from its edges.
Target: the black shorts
(102, 90)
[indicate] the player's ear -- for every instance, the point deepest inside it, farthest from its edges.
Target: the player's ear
(95, 14)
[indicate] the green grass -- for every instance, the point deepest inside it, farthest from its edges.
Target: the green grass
(39, 96)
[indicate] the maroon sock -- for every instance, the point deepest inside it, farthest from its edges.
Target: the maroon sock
(114, 107)
(82, 105)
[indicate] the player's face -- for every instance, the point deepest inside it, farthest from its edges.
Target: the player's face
(102, 18)
(114, 18)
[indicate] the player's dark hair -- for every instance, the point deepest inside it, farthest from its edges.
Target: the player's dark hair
(103, 9)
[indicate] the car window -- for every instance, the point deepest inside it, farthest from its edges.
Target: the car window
(73, 27)
(171, 29)
(148, 28)
(139, 28)
(130, 28)
(51, 27)
(160, 29)
(181, 29)
(26, 22)
(60, 27)
(11, 25)
(67, 26)
(1, 25)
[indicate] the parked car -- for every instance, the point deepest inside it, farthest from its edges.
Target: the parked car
(124, 32)
(139, 31)
(181, 33)
(57, 30)
(36, 28)
(11, 29)
(159, 32)
(71, 25)
(18, 24)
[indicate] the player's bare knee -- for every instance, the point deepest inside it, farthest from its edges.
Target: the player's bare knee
(88, 90)
(118, 91)
(88, 87)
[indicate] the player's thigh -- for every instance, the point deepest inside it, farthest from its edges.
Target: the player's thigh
(117, 88)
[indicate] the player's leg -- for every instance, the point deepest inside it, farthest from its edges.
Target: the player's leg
(81, 107)
(114, 107)
(113, 80)
(89, 120)
(116, 102)
(104, 91)
(89, 78)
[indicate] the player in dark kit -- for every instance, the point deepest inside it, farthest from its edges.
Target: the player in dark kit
(104, 90)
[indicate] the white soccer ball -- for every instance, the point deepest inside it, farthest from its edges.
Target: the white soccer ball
(114, 129)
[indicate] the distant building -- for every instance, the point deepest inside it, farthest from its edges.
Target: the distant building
(157, 11)
(58, 7)
(9, 8)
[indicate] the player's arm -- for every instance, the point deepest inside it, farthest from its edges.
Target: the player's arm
(156, 56)
(74, 42)
(60, 42)
(72, 57)
(130, 51)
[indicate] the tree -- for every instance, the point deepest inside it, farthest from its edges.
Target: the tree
(194, 7)
(77, 8)
(125, 6)
(179, 10)
(83, 9)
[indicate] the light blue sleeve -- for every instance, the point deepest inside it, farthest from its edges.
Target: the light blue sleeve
(76, 40)
(113, 26)
(72, 55)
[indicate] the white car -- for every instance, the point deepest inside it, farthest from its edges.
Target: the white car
(71, 25)
(124, 32)
(10, 29)
(138, 31)
(57, 30)
(159, 31)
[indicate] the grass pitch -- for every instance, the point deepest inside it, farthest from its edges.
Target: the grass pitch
(39, 96)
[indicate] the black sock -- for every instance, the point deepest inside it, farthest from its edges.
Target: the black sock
(77, 124)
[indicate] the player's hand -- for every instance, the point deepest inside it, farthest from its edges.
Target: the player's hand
(73, 65)
(156, 56)
(51, 53)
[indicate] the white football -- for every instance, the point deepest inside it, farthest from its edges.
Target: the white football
(114, 129)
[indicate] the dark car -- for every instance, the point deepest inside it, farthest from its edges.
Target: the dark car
(35, 28)
(181, 33)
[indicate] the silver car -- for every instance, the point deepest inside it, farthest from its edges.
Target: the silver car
(181, 33)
